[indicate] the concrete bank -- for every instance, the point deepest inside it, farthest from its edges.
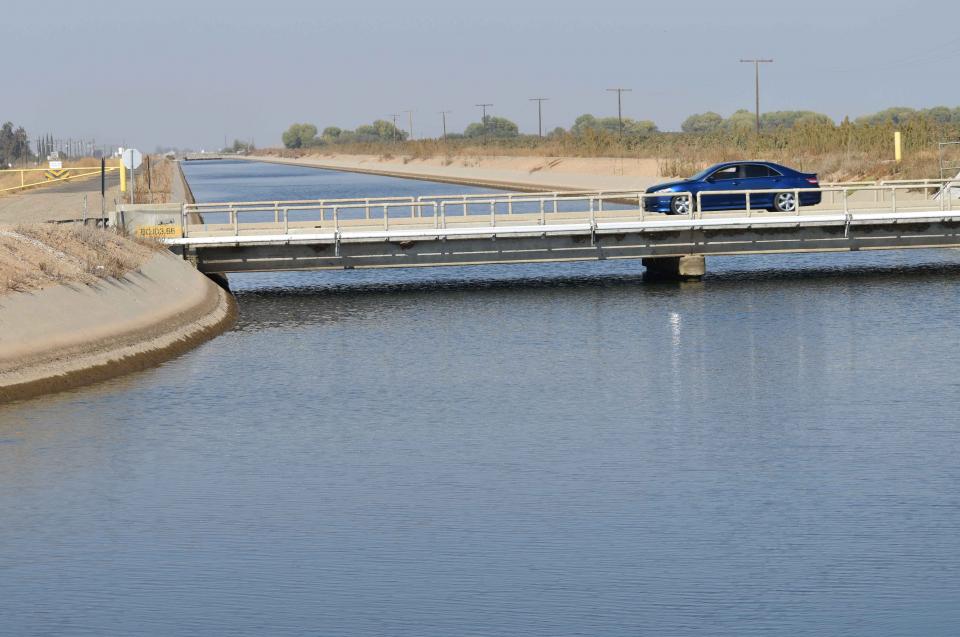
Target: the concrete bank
(73, 335)
(525, 174)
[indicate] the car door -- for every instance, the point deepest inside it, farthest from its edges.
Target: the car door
(724, 179)
(759, 177)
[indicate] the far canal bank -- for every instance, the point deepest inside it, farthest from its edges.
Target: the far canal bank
(509, 173)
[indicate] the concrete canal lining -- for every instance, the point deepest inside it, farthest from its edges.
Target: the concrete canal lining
(72, 335)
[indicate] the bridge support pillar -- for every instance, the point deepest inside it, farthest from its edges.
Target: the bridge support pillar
(688, 267)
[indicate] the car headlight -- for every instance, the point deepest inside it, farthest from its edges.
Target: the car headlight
(661, 191)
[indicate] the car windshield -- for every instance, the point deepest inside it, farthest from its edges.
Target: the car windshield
(703, 174)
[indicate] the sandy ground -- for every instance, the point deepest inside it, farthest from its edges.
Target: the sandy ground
(71, 335)
(538, 173)
(56, 203)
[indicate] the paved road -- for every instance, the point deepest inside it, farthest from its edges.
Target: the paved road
(59, 202)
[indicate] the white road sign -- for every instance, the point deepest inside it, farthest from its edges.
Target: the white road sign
(132, 158)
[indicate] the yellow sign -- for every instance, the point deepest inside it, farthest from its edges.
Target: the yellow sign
(168, 231)
(56, 174)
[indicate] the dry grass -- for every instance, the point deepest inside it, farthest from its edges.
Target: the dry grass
(36, 256)
(154, 186)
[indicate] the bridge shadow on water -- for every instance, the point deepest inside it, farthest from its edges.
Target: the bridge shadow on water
(332, 296)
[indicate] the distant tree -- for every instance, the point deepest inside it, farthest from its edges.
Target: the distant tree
(332, 133)
(791, 119)
(702, 123)
(583, 123)
(895, 115)
(740, 121)
(493, 127)
(300, 136)
(14, 144)
(386, 131)
(240, 147)
(559, 131)
(631, 127)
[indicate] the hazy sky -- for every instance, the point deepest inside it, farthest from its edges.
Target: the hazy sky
(190, 73)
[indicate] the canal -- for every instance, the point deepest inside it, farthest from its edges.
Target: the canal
(553, 449)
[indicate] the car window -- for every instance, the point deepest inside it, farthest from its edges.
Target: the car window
(725, 174)
(754, 171)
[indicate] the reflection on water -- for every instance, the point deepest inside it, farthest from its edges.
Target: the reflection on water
(510, 450)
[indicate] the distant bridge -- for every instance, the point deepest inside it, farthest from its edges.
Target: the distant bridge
(559, 226)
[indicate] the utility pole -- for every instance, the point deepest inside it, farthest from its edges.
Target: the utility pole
(395, 129)
(410, 119)
(540, 101)
(756, 65)
(484, 119)
(443, 115)
(620, 92)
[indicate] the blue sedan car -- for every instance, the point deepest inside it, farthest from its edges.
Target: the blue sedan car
(781, 182)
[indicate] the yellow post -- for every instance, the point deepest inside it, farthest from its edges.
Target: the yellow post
(897, 147)
(123, 178)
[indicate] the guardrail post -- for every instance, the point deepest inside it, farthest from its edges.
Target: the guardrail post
(640, 206)
(509, 204)
(386, 216)
(286, 221)
(796, 205)
(366, 209)
(893, 198)
(698, 207)
(543, 219)
(555, 203)
(493, 213)
(336, 219)
(276, 212)
(436, 219)
(749, 211)
(183, 220)
(236, 221)
(443, 215)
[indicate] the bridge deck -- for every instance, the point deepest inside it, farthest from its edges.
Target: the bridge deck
(422, 233)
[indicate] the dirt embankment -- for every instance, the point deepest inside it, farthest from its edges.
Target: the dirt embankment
(80, 306)
(38, 256)
(521, 173)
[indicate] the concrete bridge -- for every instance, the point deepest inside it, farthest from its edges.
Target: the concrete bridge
(561, 226)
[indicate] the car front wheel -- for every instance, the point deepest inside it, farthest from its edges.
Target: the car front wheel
(785, 202)
(680, 206)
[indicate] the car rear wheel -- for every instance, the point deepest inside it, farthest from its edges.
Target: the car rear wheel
(680, 206)
(785, 202)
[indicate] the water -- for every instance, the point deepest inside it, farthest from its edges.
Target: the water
(512, 450)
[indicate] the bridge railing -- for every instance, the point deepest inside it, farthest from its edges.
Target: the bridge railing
(537, 208)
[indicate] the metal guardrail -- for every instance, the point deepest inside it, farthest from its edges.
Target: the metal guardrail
(441, 208)
(71, 174)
